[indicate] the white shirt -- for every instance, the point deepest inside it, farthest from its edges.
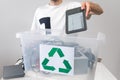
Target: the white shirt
(52, 17)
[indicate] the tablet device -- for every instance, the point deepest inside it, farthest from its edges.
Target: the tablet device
(75, 20)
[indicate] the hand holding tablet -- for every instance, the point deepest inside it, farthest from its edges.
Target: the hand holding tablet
(75, 20)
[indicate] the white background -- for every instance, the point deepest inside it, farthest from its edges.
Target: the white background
(17, 15)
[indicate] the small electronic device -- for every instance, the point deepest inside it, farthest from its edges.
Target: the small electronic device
(13, 71)
(75, 20)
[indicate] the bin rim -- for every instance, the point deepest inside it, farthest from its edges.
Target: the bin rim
(99, 37)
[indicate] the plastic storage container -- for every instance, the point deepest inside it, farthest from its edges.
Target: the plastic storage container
(79, 64)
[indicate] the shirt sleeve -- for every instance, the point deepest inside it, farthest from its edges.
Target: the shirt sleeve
(72, 5)
(34, 23)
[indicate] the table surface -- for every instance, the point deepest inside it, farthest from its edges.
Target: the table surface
(102, 73)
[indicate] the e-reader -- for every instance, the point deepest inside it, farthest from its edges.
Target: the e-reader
(75, 20)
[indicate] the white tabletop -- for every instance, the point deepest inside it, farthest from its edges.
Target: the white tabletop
(102, 73)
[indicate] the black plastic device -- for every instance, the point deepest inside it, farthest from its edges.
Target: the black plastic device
(75, 20)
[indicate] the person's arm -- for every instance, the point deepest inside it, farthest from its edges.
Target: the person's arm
(91, 8)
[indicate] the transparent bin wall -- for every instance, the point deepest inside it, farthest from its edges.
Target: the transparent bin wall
(30, 46)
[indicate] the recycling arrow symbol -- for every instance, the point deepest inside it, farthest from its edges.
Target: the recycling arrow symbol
(58, 50)
(68, 67)
(52, 68)
(44, 63)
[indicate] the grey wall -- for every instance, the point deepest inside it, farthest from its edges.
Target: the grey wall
(17, 15)
(109, 24)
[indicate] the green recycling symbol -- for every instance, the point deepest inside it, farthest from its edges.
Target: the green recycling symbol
(52, 68)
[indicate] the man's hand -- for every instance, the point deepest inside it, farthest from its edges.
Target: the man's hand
(91, 8)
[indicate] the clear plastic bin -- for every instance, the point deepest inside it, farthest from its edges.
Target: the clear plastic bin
(84, 56)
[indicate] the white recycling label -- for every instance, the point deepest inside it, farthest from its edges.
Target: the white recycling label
(57, 59)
